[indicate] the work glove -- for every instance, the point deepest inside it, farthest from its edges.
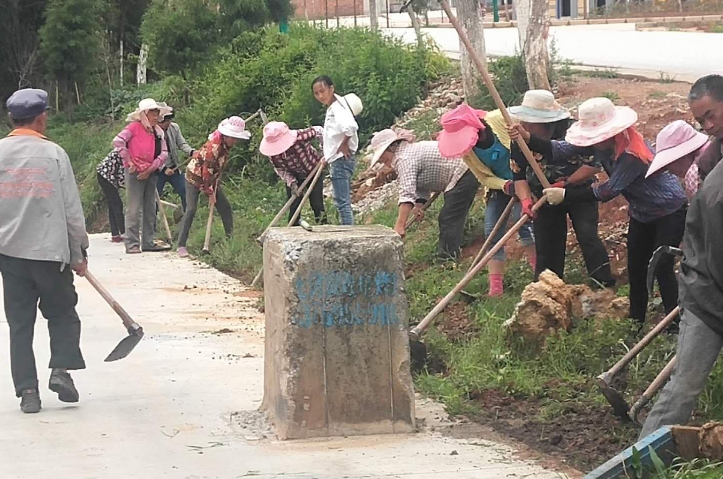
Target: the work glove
(509, 188)
(555, 196)
(527, 208)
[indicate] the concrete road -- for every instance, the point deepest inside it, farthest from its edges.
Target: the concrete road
(184, 403)
(684, 56)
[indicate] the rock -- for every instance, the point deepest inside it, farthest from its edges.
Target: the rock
(545, 308)
(600, 304)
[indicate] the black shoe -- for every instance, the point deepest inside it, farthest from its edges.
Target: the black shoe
(62, 383)
(30, 401)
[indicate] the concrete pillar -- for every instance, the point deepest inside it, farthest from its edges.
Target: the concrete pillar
(337, 350)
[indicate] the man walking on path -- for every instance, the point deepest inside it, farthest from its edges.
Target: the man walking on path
(701, 273)
(42, 231)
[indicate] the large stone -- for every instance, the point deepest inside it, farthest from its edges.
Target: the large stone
(337, 349)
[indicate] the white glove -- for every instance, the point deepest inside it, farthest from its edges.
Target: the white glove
(555, 196)
(319, 131)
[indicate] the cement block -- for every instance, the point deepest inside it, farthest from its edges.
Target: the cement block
(337, 349)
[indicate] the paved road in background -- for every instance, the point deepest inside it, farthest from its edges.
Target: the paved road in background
(184, 404)
(684, 56)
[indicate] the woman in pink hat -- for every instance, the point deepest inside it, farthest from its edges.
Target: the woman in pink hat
(482, 140)
(294, 158)
(203, 173)
(657, 203)
(678, 147)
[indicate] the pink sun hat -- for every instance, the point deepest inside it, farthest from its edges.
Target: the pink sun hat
(460, 130)
(277, 138)
(675, 141)
(599, 120)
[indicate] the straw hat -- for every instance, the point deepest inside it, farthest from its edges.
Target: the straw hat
(277, 138)
(235, 127)
(539, 106)
(354, 103)
(148, 104)
(675, 141)
(460, 130)
(599, 120)
(382, 140)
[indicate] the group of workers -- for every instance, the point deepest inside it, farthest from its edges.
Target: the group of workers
(674, 194)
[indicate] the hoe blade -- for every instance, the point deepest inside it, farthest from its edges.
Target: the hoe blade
(126, 345)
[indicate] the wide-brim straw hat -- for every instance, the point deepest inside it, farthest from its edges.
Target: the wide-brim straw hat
(539, 106)
(676, 140)
(354, 103)
(277, 138)
(148, 104)
(235, 127)
(460, 130)
(599, 120)
(382, 140)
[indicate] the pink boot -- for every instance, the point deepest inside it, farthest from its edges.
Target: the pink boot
(496, 287)
(533, 262)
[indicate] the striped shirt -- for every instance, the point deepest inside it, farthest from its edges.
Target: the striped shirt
(298, 161)
(422, 169)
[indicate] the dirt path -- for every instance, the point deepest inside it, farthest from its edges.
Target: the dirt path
(183, 405)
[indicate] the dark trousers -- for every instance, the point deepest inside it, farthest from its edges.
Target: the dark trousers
(115, 206)
(222, 206)
(643, 240)
(25, 284)
(551, 240)
(453, 216)
(177, 181)
(316, 199)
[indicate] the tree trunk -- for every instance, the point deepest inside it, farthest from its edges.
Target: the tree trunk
(417, 27)
(373, 15)
(469, 13)
(532, 27)
(142, 65)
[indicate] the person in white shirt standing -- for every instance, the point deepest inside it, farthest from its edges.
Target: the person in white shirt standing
(340, 141)
(42, 232)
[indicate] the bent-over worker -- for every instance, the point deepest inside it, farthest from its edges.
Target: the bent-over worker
(42, 240)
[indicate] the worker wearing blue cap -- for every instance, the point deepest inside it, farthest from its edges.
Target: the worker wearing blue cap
(42, 232)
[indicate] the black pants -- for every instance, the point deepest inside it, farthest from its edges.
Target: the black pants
(222, 206)
(25, 282)
(551, 240)
(643, 240)
(316, 199)
(453, 216)
(115, 207)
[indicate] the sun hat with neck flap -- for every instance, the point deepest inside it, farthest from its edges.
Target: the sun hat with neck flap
(382, 140)
(148, 104)
(539, 106)
(460, 130)
(599, 120)
(676, 140)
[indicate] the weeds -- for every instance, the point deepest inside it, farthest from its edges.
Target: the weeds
(610, 95)
(657, 94)
(665, 78)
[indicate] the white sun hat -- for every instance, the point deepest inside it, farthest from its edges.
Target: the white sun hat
(382, 140)
(353, 103)
(539, 106)
(599, 120)
(148, 104)
(235, 127)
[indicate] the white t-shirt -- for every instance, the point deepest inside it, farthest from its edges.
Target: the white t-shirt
(339, 123)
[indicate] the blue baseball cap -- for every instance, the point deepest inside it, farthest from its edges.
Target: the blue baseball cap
(27, 103)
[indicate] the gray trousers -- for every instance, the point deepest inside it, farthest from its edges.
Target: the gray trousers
(698, 348)
(141, 198)
(222, 206)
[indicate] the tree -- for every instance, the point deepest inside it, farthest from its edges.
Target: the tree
(180, 35)
(238, 16)
(532, 27)
(469, 13)
(69, 42)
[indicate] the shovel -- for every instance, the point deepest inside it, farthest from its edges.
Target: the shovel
(135, 331)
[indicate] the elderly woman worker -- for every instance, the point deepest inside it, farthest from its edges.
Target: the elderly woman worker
(678, 147)
(143, 149)
(203, 174)
(542, 119)
(657, 203)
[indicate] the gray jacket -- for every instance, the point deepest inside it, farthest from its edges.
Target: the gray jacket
(41, 217)
(176, 141)
(701, 270)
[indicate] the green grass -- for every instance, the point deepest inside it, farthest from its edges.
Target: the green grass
(656, 94)
(611, 95)
(609, 73)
